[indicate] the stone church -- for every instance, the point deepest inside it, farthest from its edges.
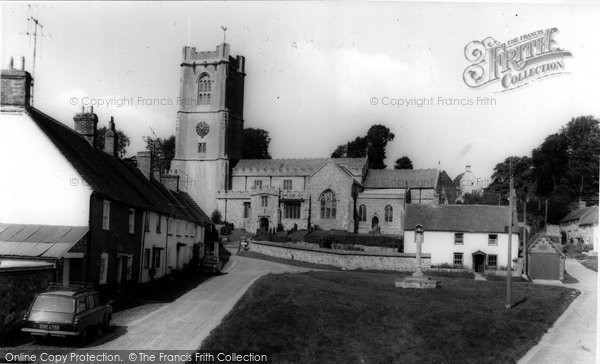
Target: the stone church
(340, 193)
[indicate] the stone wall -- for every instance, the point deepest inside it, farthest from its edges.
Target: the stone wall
(17, 289)
(344, 259)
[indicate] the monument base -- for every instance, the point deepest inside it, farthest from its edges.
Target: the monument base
(422, 282)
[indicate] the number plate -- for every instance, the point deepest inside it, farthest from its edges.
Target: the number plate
(49, 327)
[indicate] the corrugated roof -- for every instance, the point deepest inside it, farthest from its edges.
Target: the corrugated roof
(295, 167)
(459, 218)
(400, 178)
(42, 241)
(585, 215)
(110, 176)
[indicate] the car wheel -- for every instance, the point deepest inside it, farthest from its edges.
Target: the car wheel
(106, 323)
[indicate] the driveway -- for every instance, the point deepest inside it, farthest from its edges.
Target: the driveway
(572, 338)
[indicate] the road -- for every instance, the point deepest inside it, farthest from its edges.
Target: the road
(184, 323)
(572, 338)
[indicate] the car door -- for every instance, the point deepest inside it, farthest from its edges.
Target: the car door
(83, 314)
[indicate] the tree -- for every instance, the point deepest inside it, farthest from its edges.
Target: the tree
(255, 144)
(373, 144)
(122, 140)
(403, 163)
(215, 217)
(163, 152)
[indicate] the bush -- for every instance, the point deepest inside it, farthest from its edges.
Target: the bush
(448, 266)
(325, 239)
(587, 247)
(215, 217)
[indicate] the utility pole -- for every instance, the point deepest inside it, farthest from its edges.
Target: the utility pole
(509, 258)
(525, 235)
(546, 218)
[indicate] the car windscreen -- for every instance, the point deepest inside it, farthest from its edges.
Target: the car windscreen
(54, 304)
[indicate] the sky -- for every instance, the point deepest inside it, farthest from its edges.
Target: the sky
(318, 73)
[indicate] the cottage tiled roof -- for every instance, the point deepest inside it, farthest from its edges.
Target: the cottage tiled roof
(107, 175)
(400, 178)
(295, 167)
(459, 218)
(586, 215)
(39, 241)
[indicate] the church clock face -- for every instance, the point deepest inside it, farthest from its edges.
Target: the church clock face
(202, 129)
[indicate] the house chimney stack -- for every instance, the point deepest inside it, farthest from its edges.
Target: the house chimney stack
(170, 181)
(111, 139)
(581, 204)
(144, 163)
(16, 86)
(468, 168)
(86, 124)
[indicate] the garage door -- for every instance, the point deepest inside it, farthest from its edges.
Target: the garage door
(545, 266)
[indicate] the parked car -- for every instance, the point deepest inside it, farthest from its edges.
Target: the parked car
(67, 310)
(211, 263)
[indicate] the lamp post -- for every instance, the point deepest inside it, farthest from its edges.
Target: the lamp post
(418, 242)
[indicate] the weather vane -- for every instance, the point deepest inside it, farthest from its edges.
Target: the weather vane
(224, 33)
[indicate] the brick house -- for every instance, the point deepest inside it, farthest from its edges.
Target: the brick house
(62, 181)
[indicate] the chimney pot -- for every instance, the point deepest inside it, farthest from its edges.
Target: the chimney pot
(11, 65)
(16, 87)
(22, 63)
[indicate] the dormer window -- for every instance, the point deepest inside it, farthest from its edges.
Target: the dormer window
(204, 89)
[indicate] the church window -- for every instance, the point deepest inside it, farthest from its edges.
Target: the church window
(287, 184)
(257, 184)
(264, 201)
(246, 210)
(328, 204)
(204, 90)
(362, 213)
(389, 214)
(291, 211)
(201, 147)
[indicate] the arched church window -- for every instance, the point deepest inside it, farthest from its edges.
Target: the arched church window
(389, 214)
(362, 213)
(204, 89)
(328, 204)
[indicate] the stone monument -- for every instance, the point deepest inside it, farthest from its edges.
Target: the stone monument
(418, 279)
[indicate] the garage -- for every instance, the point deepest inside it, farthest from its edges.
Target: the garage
(544, 258)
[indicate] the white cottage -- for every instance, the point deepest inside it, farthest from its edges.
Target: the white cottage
(474, 236)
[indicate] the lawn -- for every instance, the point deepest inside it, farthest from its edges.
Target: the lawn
(358, 317)
(591, 262)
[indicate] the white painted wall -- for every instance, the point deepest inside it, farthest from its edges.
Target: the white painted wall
(37, 183)
(440, 244)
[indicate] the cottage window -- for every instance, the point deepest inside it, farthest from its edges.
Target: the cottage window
(389, 213)
(362, 213)
(156, 260)
(328, 204)
(287, 184)
(106, 215)
(458, 238)
(204, 89)
(103, 268)
(493, 239)
(246, 210)
(458, 258)
(131, 221)
(158, 224)
(264, 201)
(291, 211)
(257, 184)
(146, 258)
(492, 261)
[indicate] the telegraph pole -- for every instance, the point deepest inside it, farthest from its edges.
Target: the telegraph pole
(546, 218)
(509, 258)
(525, 235)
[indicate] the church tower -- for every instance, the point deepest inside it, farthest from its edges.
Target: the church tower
(209, 122)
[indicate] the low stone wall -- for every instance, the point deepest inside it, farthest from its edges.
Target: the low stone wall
(344, 259)
(17, 289)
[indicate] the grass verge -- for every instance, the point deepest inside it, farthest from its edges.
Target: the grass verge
(591, 262)
(361, 317)
(295, 263)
